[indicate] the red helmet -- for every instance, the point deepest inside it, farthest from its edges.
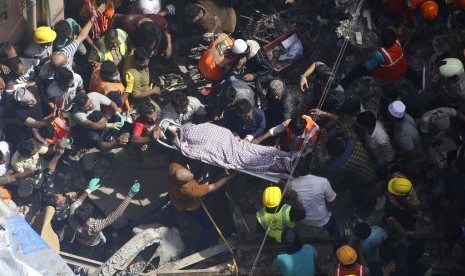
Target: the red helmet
(430, 10)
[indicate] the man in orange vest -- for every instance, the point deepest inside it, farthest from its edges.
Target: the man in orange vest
(53, 132)
(299, 131)
(106, 80)
(347, 262)
(387, 65)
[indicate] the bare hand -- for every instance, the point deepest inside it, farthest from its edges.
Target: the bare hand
(156, 133)
(59, 151)
(303, 84)
(5, 69)
(255, 141)
(71, 195)
(123, 139)
(317, 111)
(248, 77)
(144, 147)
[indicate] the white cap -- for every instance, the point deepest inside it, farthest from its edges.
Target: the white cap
(397, 109)
(239, 46)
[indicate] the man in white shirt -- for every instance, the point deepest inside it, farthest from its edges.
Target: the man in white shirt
(61, 92)
(378, 142)
(183, 109)
(317, 198)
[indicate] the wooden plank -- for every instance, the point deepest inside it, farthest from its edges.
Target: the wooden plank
(197, 257)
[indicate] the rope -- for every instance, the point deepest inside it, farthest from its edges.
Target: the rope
(234, 267)
(299, 153)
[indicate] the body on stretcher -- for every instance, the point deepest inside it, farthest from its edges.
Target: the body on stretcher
(163, 140)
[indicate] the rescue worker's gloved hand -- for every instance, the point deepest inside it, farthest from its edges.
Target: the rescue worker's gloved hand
(121, 119)
(135, 188)
(93, 185)
(113, 126)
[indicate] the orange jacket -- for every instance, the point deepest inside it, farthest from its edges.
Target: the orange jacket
(311, 132)
(62, 130)
(213, 61)
(104, 87)
(394, 66)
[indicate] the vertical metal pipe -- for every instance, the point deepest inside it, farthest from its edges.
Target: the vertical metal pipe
(31, 17)
(48, 13)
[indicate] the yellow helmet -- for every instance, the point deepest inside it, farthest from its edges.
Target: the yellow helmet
(399, 186)
(271, 197)
(44, 34)
(346, 255)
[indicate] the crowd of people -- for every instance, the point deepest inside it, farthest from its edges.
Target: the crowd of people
(89, 82)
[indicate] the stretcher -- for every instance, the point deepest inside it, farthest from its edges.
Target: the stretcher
(164, 142)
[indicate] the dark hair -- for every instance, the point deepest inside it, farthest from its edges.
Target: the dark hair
(302, 167)
(13, 63)
(63, 75)
(362, 230)
(146, 108)
(350, 106)
(83, 213)
(62, 29)
(243, 106)
(50, 199)
(111, 34)
(81, 99)
(95, 116)
(26, 147)
(2, 156)
(149, 31)
(335, 145)
(297, 125)
(388, 37)
(391, 92)
(48, 131)
(107, 68)
(229, 95)
(190, 11)
(179, 100)
(290, 238)
(140, 54)
(387, 251)
(4, 48)
(367, 119)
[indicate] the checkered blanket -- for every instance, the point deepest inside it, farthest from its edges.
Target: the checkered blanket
(217, 145)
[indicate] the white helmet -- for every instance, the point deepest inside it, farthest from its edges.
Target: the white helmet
(450, 67)
(239, 46)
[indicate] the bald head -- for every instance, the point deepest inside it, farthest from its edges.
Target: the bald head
(58, 59)
(184, 175)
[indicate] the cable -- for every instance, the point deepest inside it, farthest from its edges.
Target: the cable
(299, 153)
(234, 267)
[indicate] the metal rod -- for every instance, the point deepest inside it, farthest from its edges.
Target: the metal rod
(31, 17)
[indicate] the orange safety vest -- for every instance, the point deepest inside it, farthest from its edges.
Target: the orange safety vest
(104, 87)
(103, 18)
(311, 132)
(61, 127)
(359, 270)
(394, 66)
(213, 61)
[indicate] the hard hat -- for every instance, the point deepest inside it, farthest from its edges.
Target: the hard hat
(399, 186)
(239, 46)
(271, 197)
(430, 10)
(346, 255)
(44, 35)
(450, 67)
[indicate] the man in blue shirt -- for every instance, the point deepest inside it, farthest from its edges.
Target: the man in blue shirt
(298, 258)
(245, 121)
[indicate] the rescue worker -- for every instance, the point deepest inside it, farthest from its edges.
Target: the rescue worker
(106, 80)
(452, 90)
(299, 131)
(387, 65)
(54, 132)
(216, 60)
(402, 201)
(113, 46)
(347, 262)
(286, 216)
(41, 47)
